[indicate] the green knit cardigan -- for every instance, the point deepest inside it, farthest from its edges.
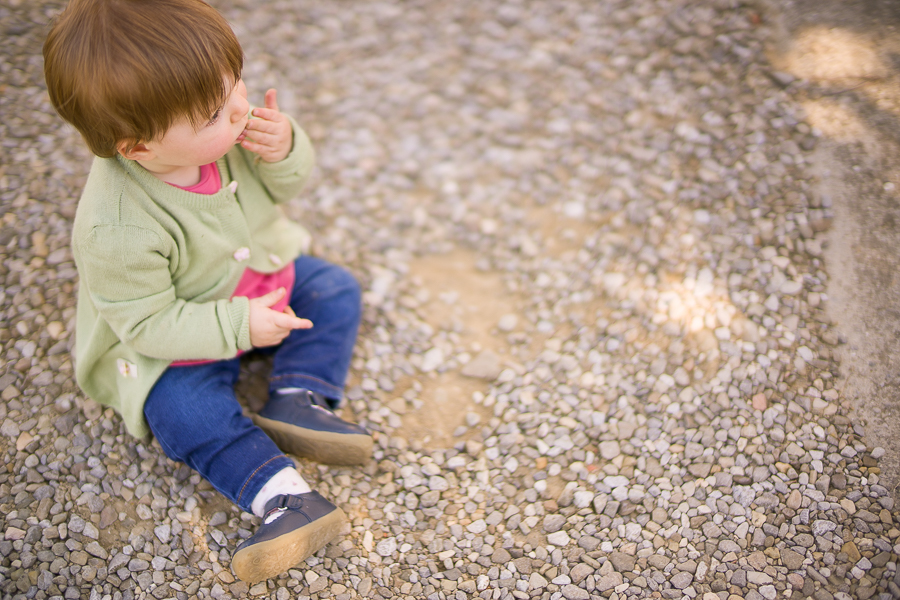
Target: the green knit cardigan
(158, 265)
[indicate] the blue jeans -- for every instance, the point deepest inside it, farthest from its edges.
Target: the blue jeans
(193, 411)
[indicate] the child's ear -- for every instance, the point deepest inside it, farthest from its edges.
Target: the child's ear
(134, 150)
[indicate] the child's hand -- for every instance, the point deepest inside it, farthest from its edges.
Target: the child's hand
(269, 135)
(269, 327)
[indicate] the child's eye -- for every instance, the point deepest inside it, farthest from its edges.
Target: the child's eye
(215, 117)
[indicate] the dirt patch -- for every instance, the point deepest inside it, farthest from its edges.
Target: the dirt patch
(455, 295)
(562, 235)
(458, 292)
(446, 400)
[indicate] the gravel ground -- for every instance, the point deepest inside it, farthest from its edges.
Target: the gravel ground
(656, 409)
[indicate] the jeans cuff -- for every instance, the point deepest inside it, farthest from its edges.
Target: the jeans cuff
(259, 478)
(307, 382)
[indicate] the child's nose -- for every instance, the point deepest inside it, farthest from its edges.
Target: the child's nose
(240, 111)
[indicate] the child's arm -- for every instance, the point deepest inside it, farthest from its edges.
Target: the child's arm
(125, 269)
(270, 134)
(278, 150)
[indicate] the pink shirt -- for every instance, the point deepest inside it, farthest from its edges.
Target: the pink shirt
(252, 284)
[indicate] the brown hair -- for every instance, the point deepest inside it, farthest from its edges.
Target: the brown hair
(127, 70)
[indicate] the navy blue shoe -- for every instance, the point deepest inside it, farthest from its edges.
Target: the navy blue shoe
(293, 528)
(300, 423)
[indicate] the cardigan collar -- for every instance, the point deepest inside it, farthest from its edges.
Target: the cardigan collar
(158, 188)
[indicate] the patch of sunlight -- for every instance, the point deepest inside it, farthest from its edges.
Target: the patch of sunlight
(692, 316)
(822, 54)
(833, 119)
(697, 308)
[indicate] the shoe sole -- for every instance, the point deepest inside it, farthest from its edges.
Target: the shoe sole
(321, 446)
(268, 559)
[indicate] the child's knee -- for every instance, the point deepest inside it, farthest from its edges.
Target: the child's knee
(342, 281)
(353, 287)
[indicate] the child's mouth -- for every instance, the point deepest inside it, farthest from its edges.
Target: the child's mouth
(243, 134)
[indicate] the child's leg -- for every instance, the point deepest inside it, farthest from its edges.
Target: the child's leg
(310, 368)
(318, 359)
(193, 412)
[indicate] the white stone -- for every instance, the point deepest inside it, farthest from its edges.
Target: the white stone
(431, 360)
(558, 538)
(791, 288)
(615, 481)
(583, 499)
(477, 527)
(386, 547)
(438, 484)
(609, 449)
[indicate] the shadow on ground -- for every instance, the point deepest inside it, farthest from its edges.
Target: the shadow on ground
(845, 57)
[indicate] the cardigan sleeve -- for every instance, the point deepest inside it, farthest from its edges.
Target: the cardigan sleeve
(126, 270)
(286, 178)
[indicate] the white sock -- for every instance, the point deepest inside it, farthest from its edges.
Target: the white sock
(291, 390)
(286, 481)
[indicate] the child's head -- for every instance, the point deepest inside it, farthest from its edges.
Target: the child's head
(127, 70)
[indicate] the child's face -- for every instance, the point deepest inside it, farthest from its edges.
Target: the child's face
(183, 145)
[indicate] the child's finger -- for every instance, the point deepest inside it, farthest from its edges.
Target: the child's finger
(252, 137)
(266, 114)
(290, 322)
(263, 151)
(272, 99)
(262, 126)
(269, 300)
(290, 311)
(253, 146)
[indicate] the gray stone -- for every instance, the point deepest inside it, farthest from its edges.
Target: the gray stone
(486, 365)
(729, 546)
(553, 522)
(681, 580)
(608, 582)
(790, 559)
(500, 556)
(573, 592)
(136, 565)
(622, 562)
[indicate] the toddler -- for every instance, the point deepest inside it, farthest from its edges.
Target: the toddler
(185, 261)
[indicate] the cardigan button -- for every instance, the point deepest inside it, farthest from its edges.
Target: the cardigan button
(233, 186)
(276, 260)
(242, 254)
(126, 368)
